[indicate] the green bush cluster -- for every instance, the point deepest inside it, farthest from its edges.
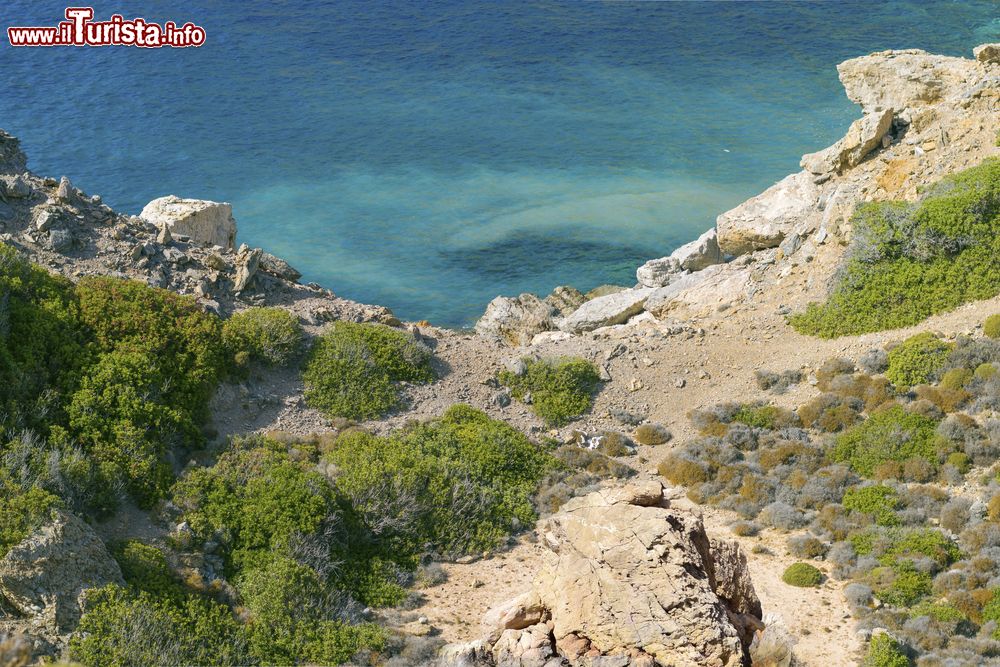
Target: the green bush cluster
(561, 389)
(884, 651)
(888, 435)
(272, 336)
(103, 384)
(354, 370)
(460, 483)
(877, 500)
(802, 575)
(907, 262)
(917, 360)
(991, 327)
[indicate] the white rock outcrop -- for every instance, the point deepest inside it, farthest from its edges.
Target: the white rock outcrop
(863, 137)
(764, 221)
(606, 310)
(694, 256)
(205, 222)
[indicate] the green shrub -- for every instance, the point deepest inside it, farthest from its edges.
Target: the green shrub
(290, 618)
(907, 262)
(459, 484)
(764, 416)
(257, 496)
(891, 434)
(917, 359)
(23, 512)
(354, 369)
(942, 612)
(802, 575)
(145, 568)
(561, 389)
(884, 651)
(906, 585)
(271, 336)
(881, 502)
(991, 327)
(991, 611)
(122, 628)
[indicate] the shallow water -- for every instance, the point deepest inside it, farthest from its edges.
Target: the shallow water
(429, 156)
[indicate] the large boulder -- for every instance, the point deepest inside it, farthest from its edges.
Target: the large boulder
(987, 53)
(53, 567)
(764, 221)
(863, 137)
(515, 321)
(606, 310)
(206, 222)
(903, 79)
(694, 256)
(630, 581)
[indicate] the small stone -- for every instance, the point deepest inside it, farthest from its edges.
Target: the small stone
(680, 383)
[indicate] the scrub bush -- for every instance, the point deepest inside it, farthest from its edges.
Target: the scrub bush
(271, 336)
(652, 434)
(884, 651)
(802, 575)
(878, 501)
(917, 359)
(354, 369)
(561, 389)
(459, 484)
(907, 262)
(991, 327)
(888, 435)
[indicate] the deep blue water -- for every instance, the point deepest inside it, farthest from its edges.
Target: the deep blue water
(431, 155)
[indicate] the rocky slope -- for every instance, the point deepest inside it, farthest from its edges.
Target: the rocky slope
(618, 577)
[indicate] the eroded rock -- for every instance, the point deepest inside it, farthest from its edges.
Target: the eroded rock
(764, 221)
(606, 310)
(205, 222)
(50, 569)
(628, 580)
(515, 321)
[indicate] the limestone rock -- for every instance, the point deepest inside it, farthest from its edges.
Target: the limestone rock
(205, 222)
(700, 253)
(902, 79)
(658, 272)
(606, 310)
(516, 614)
(247, 262)
(65, 192)
(515, 321)
(469, 654)
(565, 299)
(630, 581)
(54, 566)
(863, 137)
(278, 267)
(17, 188)
(764, 221)
(987, 53)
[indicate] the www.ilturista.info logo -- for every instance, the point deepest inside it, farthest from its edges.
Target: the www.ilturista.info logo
(79, 29)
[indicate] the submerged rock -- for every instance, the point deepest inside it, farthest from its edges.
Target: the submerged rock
(205, 222)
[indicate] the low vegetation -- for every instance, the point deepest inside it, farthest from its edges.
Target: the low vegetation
(355, 370)
(802, 575)
(909, 261)
(559, 390)
(271, 336)
(894, 485)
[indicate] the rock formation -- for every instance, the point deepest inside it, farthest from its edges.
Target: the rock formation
(205, 222)
(44, 576)
(627, 581)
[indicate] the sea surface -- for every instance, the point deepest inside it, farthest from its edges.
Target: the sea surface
(429, 156)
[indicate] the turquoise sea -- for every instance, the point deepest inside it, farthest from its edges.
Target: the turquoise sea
(430, 155)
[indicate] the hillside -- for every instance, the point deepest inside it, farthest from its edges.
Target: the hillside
(261, 472)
